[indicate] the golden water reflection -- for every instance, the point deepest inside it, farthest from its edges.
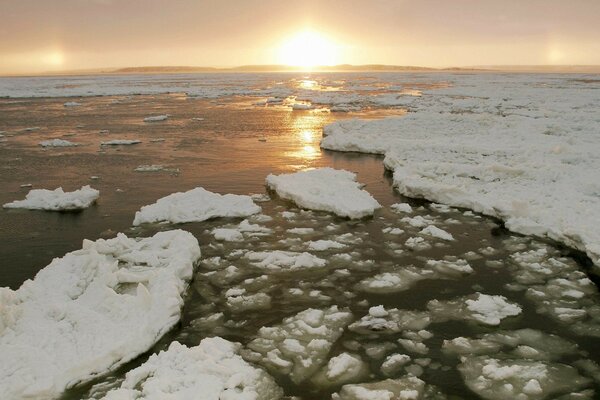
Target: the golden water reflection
(307, 134)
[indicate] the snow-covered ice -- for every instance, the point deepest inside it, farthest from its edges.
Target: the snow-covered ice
(213, 370)
(57, 143)
(92, 310)
(57, 199)
(156, 118)
(483, 308)
(325, 189)
(298, 346)
(196, 205)
(278, 260)
(520, 148)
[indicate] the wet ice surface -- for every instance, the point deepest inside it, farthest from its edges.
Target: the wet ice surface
(357, 309)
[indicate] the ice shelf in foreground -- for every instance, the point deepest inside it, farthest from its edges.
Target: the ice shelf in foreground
(196, 205)
(213, 370)
(520, 151)
(57, 199)
(92, 310)
(325, 189)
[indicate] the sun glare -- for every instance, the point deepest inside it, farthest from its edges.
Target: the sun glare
(308, 49)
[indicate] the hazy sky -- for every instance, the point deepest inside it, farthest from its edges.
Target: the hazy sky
(49, 35)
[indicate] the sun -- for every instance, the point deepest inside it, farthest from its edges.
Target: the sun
(308, 49)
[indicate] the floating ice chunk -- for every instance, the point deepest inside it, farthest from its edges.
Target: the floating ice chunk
(483, 308)
(301, 231)
(378, 311)
(393, 363)
(523, 343)
(149, 168)
(417, 244)
(393, 231)
(299, 346)
(228, 235)
(284, 260)
(417, 221)
(57, 143)
(212, 370)
(325, 189)
(401, 208)
(239, 302)
(156, 118)
(450, 268)
(91, 310)
(301, 106)
(395, 321)
(71, 104)
(119, 142)
(260, 197)
(410, 388)
(196, 205)
(341, 369)
(323, 245)
(497, 379)
(436, 232)
(57, 199)
(392, 282)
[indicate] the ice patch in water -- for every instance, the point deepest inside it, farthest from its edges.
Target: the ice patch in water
(92, 310)
(298, 346)
(156, 118)
(482, 308)
(212, 370)
(57, 199)
(57, 143)
(196, 205)
(325, 189)
(278, 260)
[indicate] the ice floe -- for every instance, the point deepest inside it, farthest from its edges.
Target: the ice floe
(482, 308)
(298, 346)
(57, 199)
(518, 151)
(156, 118)
(92, 310)
(212, 370)
(57, 143)
(196, 205)
(325, 189)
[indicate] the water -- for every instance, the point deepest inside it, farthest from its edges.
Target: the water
(223, 153)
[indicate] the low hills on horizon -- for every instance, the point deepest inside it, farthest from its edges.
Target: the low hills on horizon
(584, 69)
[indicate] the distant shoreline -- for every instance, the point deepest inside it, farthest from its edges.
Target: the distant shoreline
(550, 69)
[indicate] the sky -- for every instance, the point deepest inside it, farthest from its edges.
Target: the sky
(58, 35)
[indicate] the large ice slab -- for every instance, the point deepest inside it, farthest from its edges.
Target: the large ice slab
(325, 189)
(196, 205)
(213, 370)
(523, 150)
(92, 310)
(57, 199)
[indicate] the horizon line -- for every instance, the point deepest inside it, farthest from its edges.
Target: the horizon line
(265, 68)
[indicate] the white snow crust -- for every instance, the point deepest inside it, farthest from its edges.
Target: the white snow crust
(196, 205)
(57, 199)
(520, 148)
(213, 370)
(325, 189)
(92, 310)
